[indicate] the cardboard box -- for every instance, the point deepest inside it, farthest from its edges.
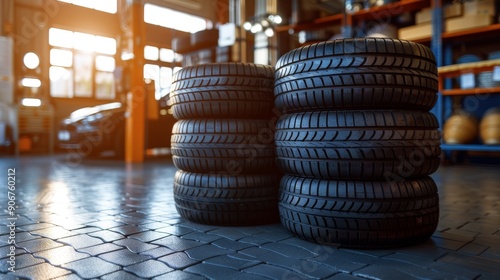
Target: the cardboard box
(467, 22)
(415, 32)
(449, 11)
(479, 7)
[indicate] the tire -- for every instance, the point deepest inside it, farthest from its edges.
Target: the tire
(373, 73)
(213, 145)
(360, 214)
(364, 145)
(223, 90)
(227, 200)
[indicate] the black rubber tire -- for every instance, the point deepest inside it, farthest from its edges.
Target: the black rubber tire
(362, 145)
(226, 200)
(236, 146)
(360, 214)
(362, 73)
(223, 90)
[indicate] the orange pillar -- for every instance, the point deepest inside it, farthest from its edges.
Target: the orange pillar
(136, 98)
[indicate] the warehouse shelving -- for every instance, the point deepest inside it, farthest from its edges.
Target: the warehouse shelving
(440, 42)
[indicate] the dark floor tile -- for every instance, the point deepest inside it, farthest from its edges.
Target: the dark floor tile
(179, 275)
(206, 251)
(91, 267)
(289, 250)
(23, 236)
(149, 269)
(234, 261)
(148, 236)
(100, 249)
(199, 227)
(217, 272)
(473, 263)
(106, 235)
(158, 252)
(201, 237)
(134, 245)
(128, 229)
(123, 257)
(36, 226)
(154, 225)
(73, 276)
(229, 233)
(38, 245)
(85, 230)
(179, 260)
(41, 271)
(306, 267)
(120, 275)
(459, 272)
(21, 261)
(61, 255)
(276, 235)
(231, 245)
(176, 230)
(177, 244)
(344, 276)
(106, 224)
(398, 271)
(273, 272)
(473, 249)
(344, 261)
(448, 243)
(55, 232)
(6, 249)
(81, 241)
(254, 240)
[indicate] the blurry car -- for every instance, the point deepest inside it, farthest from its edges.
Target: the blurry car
(92, 130)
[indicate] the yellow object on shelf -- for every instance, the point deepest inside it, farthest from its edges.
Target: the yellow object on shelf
(415, 32)
(490, 127)
(467, 22)
(449, 11)
(460, 128)
(479, 7)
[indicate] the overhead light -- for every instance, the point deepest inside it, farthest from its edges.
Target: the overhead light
(247, 25)
(277, 19)
(31, 60)
(269, 32)
(31, 82)
(257, 27)
(127, 55)
(31, 102)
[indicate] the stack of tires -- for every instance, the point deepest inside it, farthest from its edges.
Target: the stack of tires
(357, 142)
(223, 144)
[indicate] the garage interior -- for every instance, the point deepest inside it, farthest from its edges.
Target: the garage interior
(90, 149)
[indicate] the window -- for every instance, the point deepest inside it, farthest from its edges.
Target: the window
(173, 19)
(108, 6)
(163, 71)
(82, 65)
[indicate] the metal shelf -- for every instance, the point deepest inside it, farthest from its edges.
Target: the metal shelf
(315, 24)
(470, 147)
(473, 91)
(390, 10)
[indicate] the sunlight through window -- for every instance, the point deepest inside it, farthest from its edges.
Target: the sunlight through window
(61, 57)
(151, 53)
(173, 19)
(107, 6)
(60, 38)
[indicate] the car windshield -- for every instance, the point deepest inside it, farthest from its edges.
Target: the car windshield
(92, 110)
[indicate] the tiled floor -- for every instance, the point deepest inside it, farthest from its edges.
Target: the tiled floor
(107, 220)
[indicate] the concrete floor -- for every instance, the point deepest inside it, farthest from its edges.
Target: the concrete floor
(107, 220)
